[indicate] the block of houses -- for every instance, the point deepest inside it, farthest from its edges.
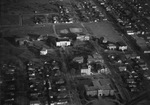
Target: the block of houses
(94, 58)
(99, 87)
(132, 56)
(121, 46)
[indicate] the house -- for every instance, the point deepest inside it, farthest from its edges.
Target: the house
(43, 51)
(60, 81)
(22, 41)
(104, 70)
(86, 70)
(121, 46)
(34, 37)
(146, 75)
(130, 32)
(61, 102)
(122, 68)
(60, 42)
(103, 40)
(83, 37)
(132, 56)
(131, 81)
(78, 59)
(99, 87)
(36, 102)
(71, 36)
(96, 57)
(143, 67)
(111, 46)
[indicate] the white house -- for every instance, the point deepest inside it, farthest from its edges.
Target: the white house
(44, 51)
(83, 37)
(63, 42)
(111, 46)
(122, 46)
(86, 71)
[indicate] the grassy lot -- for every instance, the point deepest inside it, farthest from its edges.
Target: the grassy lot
(27, 20)
(103, 29)
(59, 27)
(9, 20)
(28, 6)
(22, 31)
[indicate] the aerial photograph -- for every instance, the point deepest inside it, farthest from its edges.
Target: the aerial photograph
(74, 52)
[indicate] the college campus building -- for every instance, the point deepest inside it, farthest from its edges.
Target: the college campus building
(99, 87)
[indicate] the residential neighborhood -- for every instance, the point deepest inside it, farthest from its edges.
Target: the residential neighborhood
(75, 52)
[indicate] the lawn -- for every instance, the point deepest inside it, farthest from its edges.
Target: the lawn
(104, 29)
(9, 20)
(39, 29)
(59, 27)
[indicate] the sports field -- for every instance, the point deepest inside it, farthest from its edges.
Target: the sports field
(59, 27)
(104, 29)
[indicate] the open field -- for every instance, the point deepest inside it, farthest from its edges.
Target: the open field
(59, 27)
(27, 7)
(22, 31)
(9, 20)
(104, 29)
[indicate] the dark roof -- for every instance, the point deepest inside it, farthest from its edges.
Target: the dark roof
(34, 36)
(121, 43)
(69, 35)
(62, 39)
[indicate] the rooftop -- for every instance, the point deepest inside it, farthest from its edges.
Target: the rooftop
(99, 82)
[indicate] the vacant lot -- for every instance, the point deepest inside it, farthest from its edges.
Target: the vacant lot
(59, 27)
(9, 20)
(103, 29)
(39, 29)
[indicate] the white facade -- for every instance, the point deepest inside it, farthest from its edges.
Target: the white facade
(86, 71)
(82, 38)
(122, 48)
(130, 32)
(63, 43)
(43, 52)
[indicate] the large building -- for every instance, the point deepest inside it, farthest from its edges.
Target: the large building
(99, 87)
